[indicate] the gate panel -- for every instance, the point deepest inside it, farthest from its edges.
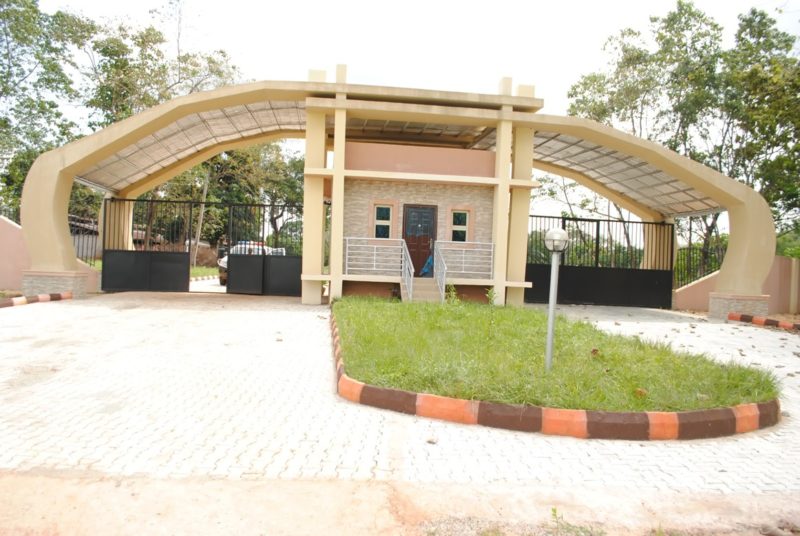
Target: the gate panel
(245, 274)
(145, 245)
(168, 271)
(601, 286)
(265, 246)
(282, 275)
(125, 270)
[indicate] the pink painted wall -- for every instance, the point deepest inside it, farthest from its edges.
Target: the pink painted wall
(14, 259)
(694, 297)
(13, 255)
(412, 159)
(778, 285)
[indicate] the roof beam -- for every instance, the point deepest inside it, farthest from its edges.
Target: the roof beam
(421, 113)
(163, 175)
(642, 211)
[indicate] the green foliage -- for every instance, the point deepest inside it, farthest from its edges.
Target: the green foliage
(131, 71)
(258, 174)
(789, 244)
(38, 56)
(440, 349)
(736, 110)
(451, 295)
(13, 176)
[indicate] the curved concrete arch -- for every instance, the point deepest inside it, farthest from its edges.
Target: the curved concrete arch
(45, 195)
(752, 238)
(47, 188)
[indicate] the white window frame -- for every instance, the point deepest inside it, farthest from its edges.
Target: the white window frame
(454, 227)
(387, 223)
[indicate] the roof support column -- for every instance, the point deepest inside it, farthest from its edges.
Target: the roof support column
(337, 192)
(748, 260)
(519, 215)
(313, 210)
(45, 201)
(502, 171)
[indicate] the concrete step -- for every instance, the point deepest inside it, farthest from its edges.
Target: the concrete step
(425, 290)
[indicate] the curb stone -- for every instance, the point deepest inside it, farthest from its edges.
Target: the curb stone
(25, 300)
(583, 424)
(763, 321)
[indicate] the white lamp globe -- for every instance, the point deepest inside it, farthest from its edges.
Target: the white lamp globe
(556, 239)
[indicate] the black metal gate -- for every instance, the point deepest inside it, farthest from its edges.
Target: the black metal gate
(147, 245)
(264, 255)
(608, 262)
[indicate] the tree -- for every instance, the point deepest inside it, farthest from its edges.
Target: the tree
(131, 71)
(735, 110)
(261, 174)
(37, 70)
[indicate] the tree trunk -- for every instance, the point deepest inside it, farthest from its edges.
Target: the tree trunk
(200, 222)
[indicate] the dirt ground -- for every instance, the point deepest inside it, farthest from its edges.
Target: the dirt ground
(84, 504)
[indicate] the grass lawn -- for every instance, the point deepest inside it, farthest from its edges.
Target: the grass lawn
(496, 354)
(196, 271)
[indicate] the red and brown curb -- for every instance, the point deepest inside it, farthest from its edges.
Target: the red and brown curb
(585, 424)
(24, 300)
(763, 321)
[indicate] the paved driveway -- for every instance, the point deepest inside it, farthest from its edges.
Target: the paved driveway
(240, 387)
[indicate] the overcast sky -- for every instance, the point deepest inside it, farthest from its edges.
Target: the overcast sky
(461, 45)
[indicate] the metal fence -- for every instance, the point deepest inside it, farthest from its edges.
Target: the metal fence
(12, 213)
(147, 225)
(605, 243)
(277, 227)
(171, 226)
(85, 233)
(698, 257)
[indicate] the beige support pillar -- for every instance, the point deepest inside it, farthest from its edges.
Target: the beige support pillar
(45, 200)
(119, 224)
(748, 260)
(313, 210)
(337, 204)
(518, 217)
(502, 196)
(658, 243)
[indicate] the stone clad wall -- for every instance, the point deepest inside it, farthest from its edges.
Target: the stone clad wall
(361, 194)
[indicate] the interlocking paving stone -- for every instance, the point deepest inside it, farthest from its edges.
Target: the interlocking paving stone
(243, 387)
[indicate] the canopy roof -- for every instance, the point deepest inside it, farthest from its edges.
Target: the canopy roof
(198, 123)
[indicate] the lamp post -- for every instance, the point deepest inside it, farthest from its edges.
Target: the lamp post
(555, 240)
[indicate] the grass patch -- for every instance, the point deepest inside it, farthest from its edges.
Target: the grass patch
(10, 293)
(202, 271)
(496, 354)
(195, 271)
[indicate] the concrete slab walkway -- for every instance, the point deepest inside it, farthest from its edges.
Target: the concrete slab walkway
(198, 387)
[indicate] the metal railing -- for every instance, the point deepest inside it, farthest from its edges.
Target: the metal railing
(605, 243)
(407, 272)
(469, 260)
(12, 213)
(373, 256)
(84, 232)
(439, 270)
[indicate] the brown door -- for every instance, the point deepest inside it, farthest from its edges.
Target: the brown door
(419, 232)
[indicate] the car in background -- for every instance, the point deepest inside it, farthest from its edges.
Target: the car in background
(245, 247)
